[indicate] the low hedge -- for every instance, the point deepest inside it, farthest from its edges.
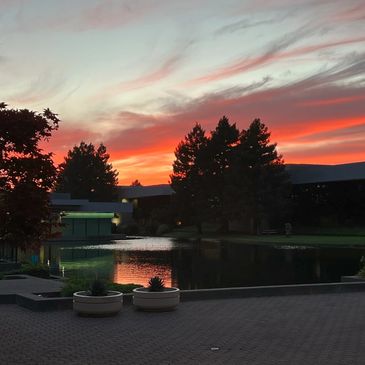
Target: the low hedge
(81, 284)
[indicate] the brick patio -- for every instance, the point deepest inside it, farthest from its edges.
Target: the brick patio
(308, 329)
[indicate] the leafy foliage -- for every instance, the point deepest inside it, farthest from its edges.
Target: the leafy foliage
(38, 270)
(73, 285)
(156, 284)
(87, 174)
(26, 175)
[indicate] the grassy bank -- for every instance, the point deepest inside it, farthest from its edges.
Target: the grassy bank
(306, 240)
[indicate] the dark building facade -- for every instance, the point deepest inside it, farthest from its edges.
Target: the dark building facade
(328, 195)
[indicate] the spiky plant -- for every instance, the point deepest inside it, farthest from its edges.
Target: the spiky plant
(98, 288)
(156, 284)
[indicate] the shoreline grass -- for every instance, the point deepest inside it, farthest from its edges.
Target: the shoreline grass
(274, 239)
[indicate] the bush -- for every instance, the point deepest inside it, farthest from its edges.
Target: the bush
(361, 272)
(162, 229)
(38, 270)
(125, 288)
(73, 285)
(130, 229)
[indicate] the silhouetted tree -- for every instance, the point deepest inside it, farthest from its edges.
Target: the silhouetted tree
(259, 182)
(87, 174)
(187, 179)
(220, 151)
(136, 183)
(26, 175)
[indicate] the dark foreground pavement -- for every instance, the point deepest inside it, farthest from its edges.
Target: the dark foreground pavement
(310, 329)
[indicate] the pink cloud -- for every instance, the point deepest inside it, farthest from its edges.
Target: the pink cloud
(272, 55)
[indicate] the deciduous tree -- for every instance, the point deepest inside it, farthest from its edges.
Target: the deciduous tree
(26, 175)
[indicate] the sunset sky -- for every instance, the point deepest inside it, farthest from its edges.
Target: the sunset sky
(137, 74)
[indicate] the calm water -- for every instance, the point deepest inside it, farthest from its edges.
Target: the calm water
(192, 265)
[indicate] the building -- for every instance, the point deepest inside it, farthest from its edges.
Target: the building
(328, 195)
(146, 199)
(313, 174)
(82, 218)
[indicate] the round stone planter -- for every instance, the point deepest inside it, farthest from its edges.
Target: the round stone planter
(156, 301)
(85, 304)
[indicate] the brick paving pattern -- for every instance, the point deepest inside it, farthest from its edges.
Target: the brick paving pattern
(295, 330)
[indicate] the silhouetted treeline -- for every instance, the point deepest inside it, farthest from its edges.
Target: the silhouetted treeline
(230, 176)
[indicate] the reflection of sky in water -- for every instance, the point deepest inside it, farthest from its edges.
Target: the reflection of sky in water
(145, 244)
(205, 264)
(140, 273)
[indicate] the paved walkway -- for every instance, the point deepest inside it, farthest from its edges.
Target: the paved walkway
(295, 330)
(30, 284)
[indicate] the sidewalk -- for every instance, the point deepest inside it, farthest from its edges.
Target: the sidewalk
(295, 330)
(30, 284)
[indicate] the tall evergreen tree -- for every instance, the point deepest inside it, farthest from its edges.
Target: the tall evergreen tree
(187, 178)
(220, 150)
(87, 174)
(261, 184)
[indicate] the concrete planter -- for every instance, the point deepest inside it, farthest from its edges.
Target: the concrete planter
(156, 301)
(85, 304)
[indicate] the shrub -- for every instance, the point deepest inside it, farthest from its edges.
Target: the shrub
(73, 285)
(156, 284)
(125, 288)
(362, 269)
(162, 229)
(38, 270)
(130, 229)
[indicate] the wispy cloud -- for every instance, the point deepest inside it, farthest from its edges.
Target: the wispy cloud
(351, 14)
(273, 54)
(242, 25)
(83, 16)
(45, 86)
(163, 71)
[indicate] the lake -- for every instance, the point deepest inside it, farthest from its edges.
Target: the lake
(202, 264)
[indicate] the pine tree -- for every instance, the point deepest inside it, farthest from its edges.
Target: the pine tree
(220, 149)
(261, 184)
(187, 179)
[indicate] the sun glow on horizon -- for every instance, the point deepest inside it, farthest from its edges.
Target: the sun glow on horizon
(303, 75)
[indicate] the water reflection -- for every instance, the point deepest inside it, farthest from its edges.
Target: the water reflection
(191, 265)
(140, 273)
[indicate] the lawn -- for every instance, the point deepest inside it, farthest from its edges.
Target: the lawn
(307, 240)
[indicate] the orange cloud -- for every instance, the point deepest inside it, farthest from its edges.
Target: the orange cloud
(314, 117)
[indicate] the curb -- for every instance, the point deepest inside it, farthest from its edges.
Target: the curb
(36, 302)
(269, 291)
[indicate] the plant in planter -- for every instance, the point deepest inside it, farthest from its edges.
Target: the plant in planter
(98, 300)
(156, 284)
(156, 297)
